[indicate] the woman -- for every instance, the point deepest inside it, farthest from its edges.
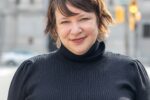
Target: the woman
(80, 69)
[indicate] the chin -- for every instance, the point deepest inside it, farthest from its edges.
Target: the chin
(80, 52)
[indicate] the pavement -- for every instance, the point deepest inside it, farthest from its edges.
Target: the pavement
(148, 70)
(6, 74)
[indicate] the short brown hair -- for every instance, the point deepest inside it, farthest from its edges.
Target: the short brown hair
(97, 6)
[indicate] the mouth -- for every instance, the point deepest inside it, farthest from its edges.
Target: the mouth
(78, 40)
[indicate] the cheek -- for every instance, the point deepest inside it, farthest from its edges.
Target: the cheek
(92, 30)
(63, 33)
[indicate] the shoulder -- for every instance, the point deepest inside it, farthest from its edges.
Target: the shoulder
(126, 63)
(118, 58)
(41, 58)
(123, 62)
(33, 63)
(133, 70)
(26, 74)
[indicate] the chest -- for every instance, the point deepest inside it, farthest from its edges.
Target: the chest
(78, 85)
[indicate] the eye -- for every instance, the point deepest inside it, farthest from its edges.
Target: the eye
(64, 22)
(84, 19)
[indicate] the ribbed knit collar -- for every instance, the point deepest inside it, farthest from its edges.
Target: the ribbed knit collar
(94, 53)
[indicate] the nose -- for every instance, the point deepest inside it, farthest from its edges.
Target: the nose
(75, 29)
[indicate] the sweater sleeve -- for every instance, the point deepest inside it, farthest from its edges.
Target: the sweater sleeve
(142, 82)
(17, 87)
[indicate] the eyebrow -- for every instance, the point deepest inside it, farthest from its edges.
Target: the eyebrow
(79, 15)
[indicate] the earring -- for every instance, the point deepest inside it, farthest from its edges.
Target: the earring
(58, 42)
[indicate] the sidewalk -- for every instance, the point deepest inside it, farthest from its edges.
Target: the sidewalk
(148, 70)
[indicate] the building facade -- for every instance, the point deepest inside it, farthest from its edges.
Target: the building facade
(22, 24)
(133, 43)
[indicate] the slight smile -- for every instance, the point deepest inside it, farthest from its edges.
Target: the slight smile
(78, 40)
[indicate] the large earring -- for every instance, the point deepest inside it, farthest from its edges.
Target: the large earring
(58, 42)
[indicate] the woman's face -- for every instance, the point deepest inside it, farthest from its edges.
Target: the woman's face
(79, 32)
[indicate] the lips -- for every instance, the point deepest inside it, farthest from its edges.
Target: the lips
(78, 40)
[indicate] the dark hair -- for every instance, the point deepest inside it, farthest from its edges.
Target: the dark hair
(97, 6)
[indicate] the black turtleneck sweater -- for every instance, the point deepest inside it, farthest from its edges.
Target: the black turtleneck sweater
(96, 75)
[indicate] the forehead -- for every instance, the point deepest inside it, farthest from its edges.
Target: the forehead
(74, 10)
(65, 6)
(69, 7)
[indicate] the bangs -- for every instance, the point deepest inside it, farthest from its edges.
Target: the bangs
(85, 5)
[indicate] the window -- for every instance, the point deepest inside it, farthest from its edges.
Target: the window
(146, 30)
(111, 2)
(31, 1)
(17, 2)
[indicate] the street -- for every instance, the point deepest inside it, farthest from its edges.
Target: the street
(6, 74)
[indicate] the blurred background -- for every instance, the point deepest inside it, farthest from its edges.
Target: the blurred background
(22, 24)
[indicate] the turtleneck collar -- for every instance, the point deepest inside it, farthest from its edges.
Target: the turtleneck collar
(94, 52)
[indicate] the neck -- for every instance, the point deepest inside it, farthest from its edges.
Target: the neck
(94, 53)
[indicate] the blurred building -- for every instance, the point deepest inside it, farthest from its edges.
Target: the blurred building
(22, 24)
(123, 40)
(143, 31)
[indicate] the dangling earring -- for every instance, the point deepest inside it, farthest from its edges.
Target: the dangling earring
(58, 42)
